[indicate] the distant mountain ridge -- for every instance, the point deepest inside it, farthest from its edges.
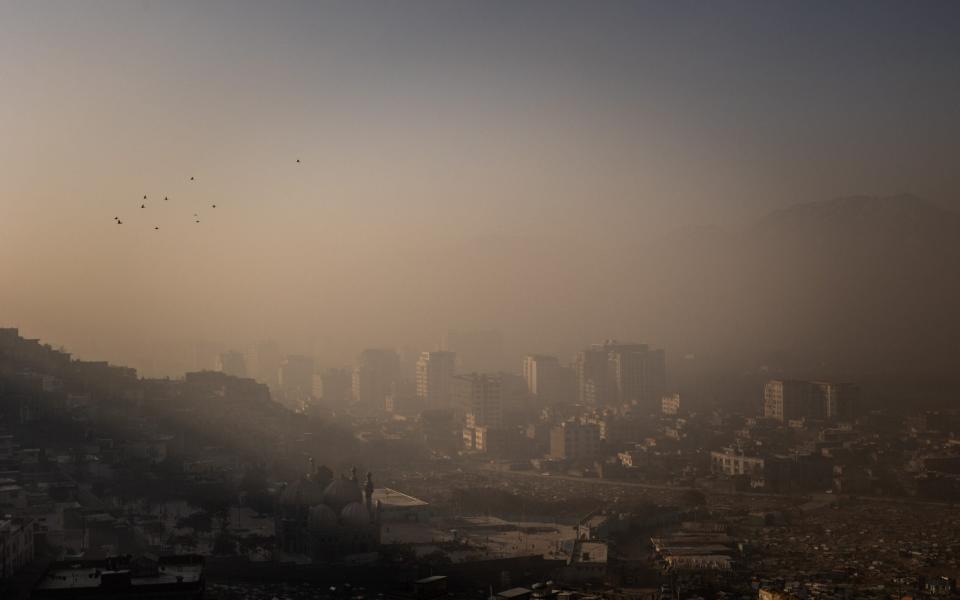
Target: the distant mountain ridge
(858, 287)
(888, 217)
(854, 285)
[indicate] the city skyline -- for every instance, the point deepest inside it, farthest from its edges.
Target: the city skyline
(479, 300)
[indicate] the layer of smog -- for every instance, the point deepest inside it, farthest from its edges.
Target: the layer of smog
(436, 299)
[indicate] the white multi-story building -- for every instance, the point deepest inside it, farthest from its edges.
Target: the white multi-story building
(539, 371)
(734, 462)
(435, 371)
(670, 404)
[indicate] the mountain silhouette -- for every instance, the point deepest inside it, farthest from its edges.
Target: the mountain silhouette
(853, 287)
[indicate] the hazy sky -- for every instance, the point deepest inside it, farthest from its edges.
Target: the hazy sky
(463, 163)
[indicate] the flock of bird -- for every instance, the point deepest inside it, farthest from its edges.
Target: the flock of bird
(143, 206)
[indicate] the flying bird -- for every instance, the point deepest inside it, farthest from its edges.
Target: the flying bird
(119, 222)
(213, 205)
(156, 228)
(191, 178)
(143, 206)
(165, 198)
(144, 196)
(298, 161)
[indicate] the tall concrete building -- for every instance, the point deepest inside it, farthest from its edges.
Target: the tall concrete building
(232, 363)
(296, 374)
(402, 399)
(267, 357)
(333, 386)
(377, 369)
(575, 441)
(540, 372)
(513, 390)
(613, 373)
(479, 399)
(565, 391)
(786, 400)
(435, 371)
(547, 380)
(591, 367)
(839, 400)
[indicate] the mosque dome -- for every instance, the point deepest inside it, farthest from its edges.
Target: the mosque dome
(355, 515)
(342, 492)
(302, 493)
(321, 519)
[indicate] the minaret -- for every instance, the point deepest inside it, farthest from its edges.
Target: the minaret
(368, 493)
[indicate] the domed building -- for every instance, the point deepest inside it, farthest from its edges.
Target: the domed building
(355, 515)
(327, 520)
(301, 495)
(342, 492)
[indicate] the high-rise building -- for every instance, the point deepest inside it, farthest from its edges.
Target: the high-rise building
(479, 399)
(538, 371)
(574, 440)
(377, 369)
(480, 351)
(296, 375)
(839, 400)
(613, 373)
(654, 382)
(435, 371)
(333, 386)
(786, 400)
(591, 366)
(566, 389)
(515, 398)
(547, 380)
(232, 363)
(402, 399)
(267, 358)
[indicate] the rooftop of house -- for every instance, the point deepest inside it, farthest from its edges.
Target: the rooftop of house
(392, 498)
(94, 574)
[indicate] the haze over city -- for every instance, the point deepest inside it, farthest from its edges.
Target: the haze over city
(479, 300)
(536, 168)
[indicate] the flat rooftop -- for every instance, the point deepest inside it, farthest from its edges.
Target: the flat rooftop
(518, 592)
(694, 550)
(392, 498)
(90, 577)
(705, 562)
(591, 552)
